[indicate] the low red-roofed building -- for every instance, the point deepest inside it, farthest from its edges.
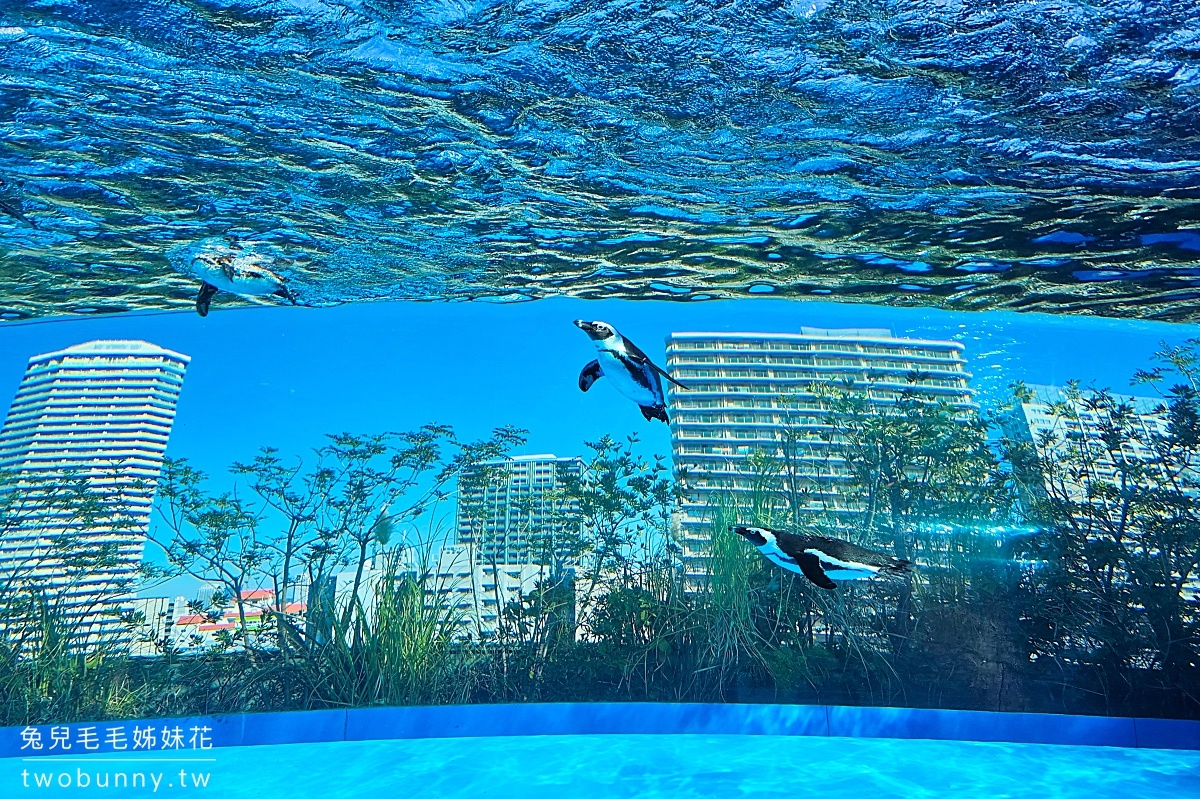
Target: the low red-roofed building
(197, 631)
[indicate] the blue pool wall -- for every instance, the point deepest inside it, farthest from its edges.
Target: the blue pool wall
(465, 721)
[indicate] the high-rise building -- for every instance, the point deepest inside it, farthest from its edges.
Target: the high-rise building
(749, 392)
(471, 593)
(1054, 421)
(1061, 424)
(151, 621)
(80, 454)
(514, 510)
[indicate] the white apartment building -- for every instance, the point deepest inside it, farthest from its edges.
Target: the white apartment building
(513, 510)
(747, 390)
(1054, 423)
(99, 413)
(474, 592)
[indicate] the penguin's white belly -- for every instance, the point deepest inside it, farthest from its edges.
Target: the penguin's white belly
(789, 564)
(247, 283)
(774, 554)
(616, 372)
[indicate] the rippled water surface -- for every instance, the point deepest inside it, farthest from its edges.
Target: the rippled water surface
(968, 154)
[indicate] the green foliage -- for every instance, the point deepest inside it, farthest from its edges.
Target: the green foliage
(1120, 512)
(909, 460)
(401, 653)
(727, 599)
(48, 681)
(306, 524)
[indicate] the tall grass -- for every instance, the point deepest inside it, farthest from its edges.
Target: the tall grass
(43, 678)
(401, 652)
(728, 600)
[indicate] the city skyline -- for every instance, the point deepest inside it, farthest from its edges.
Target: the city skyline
(285, 377)
(1054, 420)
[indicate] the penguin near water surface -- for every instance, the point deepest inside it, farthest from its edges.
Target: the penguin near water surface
(234, 270)
(822, 560)
(11, 202)
(628, 368)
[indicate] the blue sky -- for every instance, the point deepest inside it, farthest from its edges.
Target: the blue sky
(285, 377)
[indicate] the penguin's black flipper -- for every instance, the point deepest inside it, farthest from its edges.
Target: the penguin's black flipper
(590, 374)
(204, 298)
(811, 566)
(654, 412)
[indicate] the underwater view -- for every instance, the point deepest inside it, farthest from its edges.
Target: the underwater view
(609, 397)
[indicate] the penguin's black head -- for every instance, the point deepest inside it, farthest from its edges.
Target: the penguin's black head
(597, 331)
(751, 534)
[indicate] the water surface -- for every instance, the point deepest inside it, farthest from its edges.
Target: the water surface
(1022, 155)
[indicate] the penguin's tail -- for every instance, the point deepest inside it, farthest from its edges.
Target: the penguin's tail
(899, 567)
(655, 412)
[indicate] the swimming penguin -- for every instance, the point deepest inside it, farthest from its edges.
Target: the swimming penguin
(229, 268)
(13, 206)
(822, 560)
(629, 369)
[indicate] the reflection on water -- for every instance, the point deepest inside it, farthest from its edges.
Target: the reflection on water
(1025, 156)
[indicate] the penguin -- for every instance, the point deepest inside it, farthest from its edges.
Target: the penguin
(821, 560)
(230, 269)
(14, 206)
(628, 368)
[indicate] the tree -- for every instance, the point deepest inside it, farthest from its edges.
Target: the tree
(1115, 486)
(623, 505)
(306, 524)
(60, 523)
(908, 460)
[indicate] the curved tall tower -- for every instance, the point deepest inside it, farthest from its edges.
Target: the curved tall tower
(80, 453)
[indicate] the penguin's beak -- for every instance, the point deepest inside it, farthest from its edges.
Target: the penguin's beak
(753, 536)
(586, 327)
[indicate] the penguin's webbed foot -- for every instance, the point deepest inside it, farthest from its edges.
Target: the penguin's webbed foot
(204, 298)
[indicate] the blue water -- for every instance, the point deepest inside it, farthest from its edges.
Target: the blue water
(1013, 154)
(652, 766)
